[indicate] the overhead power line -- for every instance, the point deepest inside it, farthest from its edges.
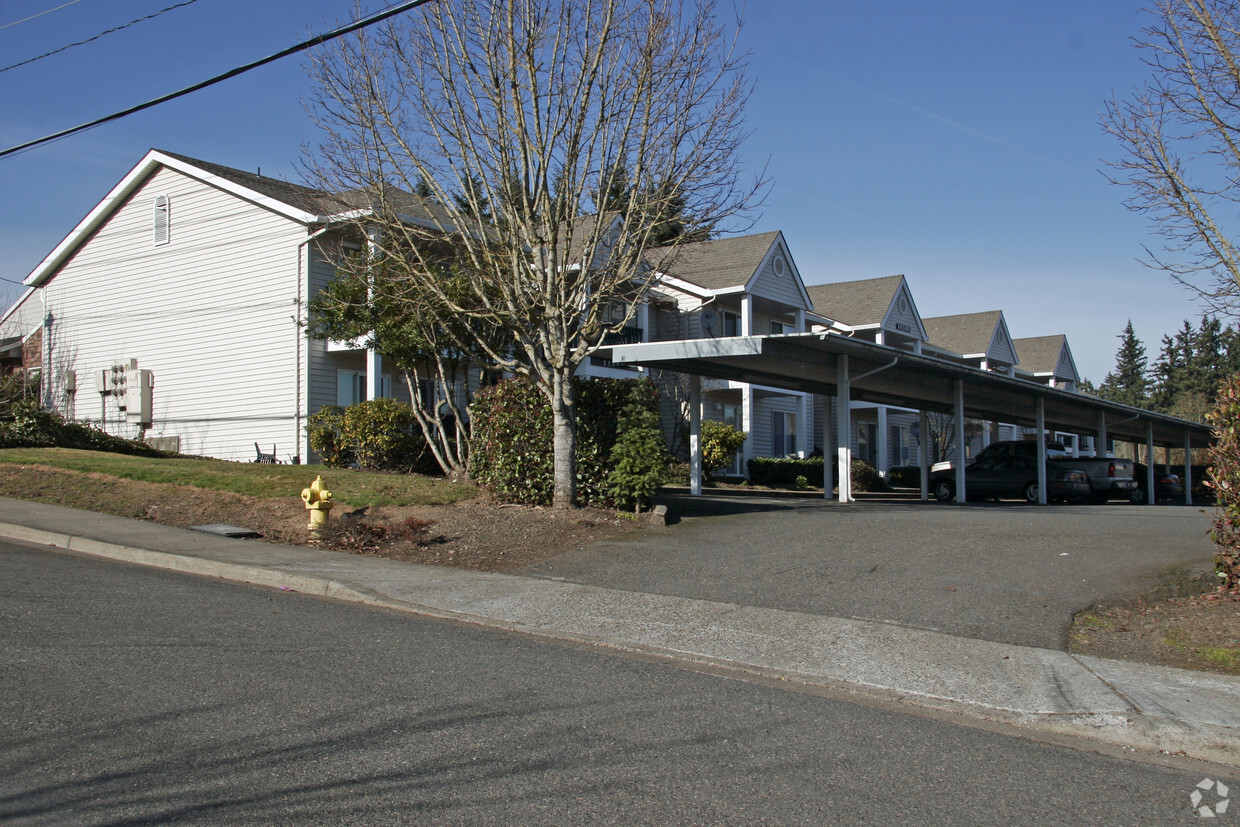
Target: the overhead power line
(40, 14)
(96, 37)
(232, 73)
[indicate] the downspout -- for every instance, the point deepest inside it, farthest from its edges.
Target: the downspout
(303, 279)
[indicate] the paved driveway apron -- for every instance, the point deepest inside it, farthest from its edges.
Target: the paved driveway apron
(1011, 573)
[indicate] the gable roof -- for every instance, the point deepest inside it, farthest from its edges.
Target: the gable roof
(306, 199)
(722, 262)
(1042, 355)
(856, 303)
(968, 334)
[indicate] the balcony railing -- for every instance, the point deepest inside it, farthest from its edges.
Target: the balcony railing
(624, 336)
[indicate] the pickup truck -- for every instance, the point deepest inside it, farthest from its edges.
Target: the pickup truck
(1108, 477)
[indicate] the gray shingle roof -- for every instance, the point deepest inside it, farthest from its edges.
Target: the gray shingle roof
(855, 303)
(721, 262)
(1040, 354)
(965, 333)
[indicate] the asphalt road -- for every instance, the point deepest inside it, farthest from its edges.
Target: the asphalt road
(133, 696)
(1007, 572)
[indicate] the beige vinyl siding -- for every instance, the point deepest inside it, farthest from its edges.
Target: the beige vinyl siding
(211, 313)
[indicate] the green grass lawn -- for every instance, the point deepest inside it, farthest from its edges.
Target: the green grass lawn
(356, 488)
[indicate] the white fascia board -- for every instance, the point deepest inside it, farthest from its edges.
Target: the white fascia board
(688, 349)
(684, 286)
(135, 178)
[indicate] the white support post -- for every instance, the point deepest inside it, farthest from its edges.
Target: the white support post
(374, 362)
(961, 495)
(1188, 469)
(747, 423)
(843, 427)
(882, 449)
(1040, 418)
(695, 435)
(923, 436)
(802, 425)
(827, 452)
(746, 314)
(1151, 496)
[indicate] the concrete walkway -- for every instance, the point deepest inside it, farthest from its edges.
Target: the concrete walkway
(1144, 707)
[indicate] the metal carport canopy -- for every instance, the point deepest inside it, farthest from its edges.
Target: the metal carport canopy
(810, 362)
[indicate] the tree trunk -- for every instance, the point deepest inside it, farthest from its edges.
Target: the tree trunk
(564, 417)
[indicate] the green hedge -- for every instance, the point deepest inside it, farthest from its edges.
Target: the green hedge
(31, 427)
(513, 455)
(783, 472)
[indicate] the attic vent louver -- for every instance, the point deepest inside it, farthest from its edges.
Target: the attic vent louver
(161, 221)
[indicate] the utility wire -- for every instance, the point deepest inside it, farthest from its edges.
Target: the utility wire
(40, 14)
(232, 73)
(96, 37)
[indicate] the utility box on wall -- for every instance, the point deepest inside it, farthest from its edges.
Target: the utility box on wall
(137, 401)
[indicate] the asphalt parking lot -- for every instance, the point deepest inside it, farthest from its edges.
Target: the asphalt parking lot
(1007, 572)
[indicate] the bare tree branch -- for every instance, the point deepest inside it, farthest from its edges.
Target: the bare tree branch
(517, 120)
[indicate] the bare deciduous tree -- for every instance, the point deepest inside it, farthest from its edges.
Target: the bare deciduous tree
(548, 141)
(1179, 134)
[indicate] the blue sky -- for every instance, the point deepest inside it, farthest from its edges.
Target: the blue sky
(955, 142)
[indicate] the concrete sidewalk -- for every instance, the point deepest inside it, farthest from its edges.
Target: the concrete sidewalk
(1144, 707)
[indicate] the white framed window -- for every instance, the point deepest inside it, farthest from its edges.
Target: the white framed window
(161, 220)
(351, 387)
(780, 328)
(731, 323)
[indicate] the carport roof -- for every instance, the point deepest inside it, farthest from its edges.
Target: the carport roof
(810, 362)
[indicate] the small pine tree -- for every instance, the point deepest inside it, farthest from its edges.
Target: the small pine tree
(639, 459)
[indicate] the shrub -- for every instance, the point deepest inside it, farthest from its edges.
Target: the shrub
(382, 435)
(378, 435)
(720, 443)
(324, 429)
(513, 454)
(32, 427)
(801, 482)
(866, 478)
(639, 458)
(1224, 479)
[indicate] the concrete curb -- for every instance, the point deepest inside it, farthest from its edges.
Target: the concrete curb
(1132, 705)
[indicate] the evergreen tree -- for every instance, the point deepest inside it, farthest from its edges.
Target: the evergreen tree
(1129, 383)
(1169, 372)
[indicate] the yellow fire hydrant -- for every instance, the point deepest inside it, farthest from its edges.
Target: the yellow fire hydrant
(319, 502)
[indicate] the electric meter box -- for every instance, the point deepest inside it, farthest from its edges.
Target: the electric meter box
(138, 385)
